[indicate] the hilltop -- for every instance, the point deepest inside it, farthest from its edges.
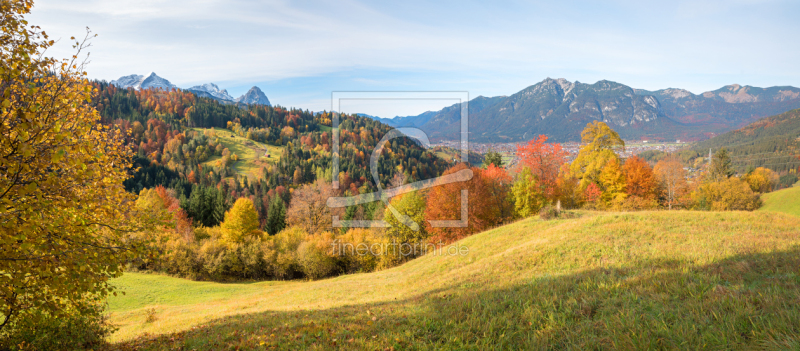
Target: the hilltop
(604, 280)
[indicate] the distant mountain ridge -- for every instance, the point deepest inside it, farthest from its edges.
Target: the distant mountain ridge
(209, 90)
(560, 109)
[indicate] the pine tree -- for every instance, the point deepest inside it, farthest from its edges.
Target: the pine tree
(720, 168)
(493, 158)
(276, 216)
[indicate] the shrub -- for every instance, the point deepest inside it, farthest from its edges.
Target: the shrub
(636, 203)
(281, 252)
(356, 251)
(314, 256)
(732, 194)
(549, 212)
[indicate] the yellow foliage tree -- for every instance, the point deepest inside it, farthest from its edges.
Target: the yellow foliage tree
(241, 222)
(63, 207)
(598, 142)
(612, 183)
(761, 180)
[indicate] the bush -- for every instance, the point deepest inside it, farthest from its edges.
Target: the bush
(356, 251)
(314, 256)
(549, 212)
(281, 253)
(636, 203)
(84, 327)
(732, 194)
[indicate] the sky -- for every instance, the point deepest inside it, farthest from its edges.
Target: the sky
(299, 52)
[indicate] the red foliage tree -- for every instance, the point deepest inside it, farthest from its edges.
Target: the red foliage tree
(592, 193)
(544, 160)
(183, 224)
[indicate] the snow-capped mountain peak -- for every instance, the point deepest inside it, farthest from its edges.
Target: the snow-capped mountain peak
(131, 81)
(210, 90)
(213, 90)
(138, 81)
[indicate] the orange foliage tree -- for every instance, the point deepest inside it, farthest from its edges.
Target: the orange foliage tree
(488, 204)
(639, 178)
(544, 160)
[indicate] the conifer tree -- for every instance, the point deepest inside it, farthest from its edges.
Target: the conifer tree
(276, 216)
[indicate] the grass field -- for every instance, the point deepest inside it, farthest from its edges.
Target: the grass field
(645, 280)
(785, 201)
(251, 153)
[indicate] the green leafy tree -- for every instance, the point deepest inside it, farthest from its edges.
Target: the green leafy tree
(276, 216)
(64, 211)
(401, 236)
(528, 195)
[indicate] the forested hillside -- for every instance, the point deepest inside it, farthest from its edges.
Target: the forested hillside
(772, 142)
(170, 133)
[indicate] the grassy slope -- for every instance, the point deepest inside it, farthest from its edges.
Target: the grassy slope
(785, 200)
(251, 153)
(636, 280)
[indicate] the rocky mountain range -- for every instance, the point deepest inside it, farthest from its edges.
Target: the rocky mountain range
(138, 81)
(210, 90)
(560, 109)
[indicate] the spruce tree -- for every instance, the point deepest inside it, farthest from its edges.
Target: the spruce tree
(276, 216)
(720, 168)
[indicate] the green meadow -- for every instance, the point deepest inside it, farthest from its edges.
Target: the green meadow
(641, 280)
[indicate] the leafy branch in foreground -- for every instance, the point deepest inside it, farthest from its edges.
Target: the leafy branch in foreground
(64, 212)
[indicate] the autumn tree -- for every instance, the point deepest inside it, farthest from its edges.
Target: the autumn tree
(761, 180)
(639, 178)
(598, 142)
(670, 173)
(487, 200)
(241, 222)
(544, 160)
(64, 210)
(309, 209)
(612, 183)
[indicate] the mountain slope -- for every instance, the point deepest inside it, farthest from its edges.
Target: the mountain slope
(671, 280)
(772, 142)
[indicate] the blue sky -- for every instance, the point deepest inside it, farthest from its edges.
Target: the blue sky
(299, 52)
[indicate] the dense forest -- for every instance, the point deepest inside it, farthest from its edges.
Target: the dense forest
(169, 132)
